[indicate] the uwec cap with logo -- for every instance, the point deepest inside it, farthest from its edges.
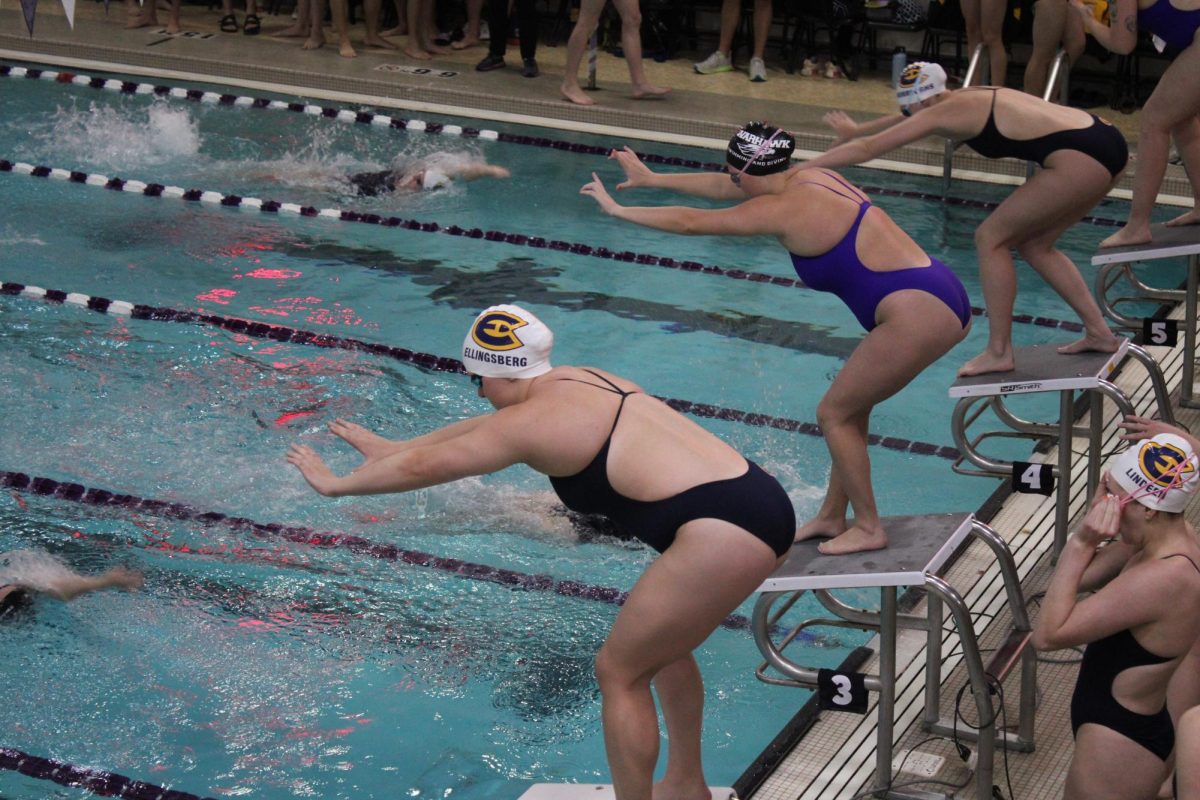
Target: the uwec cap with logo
(760, 149)
(507, 342)
(919, 81)
(1161, 473)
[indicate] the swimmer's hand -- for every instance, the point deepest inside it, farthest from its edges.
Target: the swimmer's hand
(1086, 14)
(1102, 521)
(636, 173)
(597, 192)
(125, 578)
(1138, 428)
(314, 470)
(842, 125)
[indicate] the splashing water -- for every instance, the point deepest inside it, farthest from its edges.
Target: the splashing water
(122, 138)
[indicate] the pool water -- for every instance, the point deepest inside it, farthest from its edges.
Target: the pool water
(260, 667)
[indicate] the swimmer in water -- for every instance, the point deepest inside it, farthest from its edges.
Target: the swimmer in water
(26, 573)
(423, 176)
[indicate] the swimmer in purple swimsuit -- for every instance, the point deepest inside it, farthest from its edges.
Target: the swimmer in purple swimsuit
(720, 522)
(1173, 109)
(913, 307)
(1081, 157)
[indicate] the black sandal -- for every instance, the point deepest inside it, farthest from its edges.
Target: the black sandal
(229, 23)
(253, 25)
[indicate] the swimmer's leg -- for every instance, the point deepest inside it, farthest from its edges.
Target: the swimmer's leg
(915, 329)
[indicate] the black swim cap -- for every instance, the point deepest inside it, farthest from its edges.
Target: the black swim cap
(760, 149)
(15, 600)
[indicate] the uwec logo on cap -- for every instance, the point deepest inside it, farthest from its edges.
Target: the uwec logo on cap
(920, 80)
(1162, 464)
(497, 330)
(507, 341)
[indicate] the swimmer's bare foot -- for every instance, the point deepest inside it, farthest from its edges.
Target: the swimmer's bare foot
(412, 51)
(1187, 218)
(648, 91)
(314, 43)
(1091, 344)
(1129, 235)
(821, 527)
(379, 41)
(294, 32)
(346, 50)
(141, 21)
(464, 43)
(664, 790)
(854, 540)
(575, 93)
(173, 26)
(399, 30)
(369, 443)
(987, 362)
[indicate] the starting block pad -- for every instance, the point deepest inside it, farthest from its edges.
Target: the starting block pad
(1041, 368)
(596, 791)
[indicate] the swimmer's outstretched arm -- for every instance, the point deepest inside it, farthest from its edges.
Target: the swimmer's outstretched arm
(713, 185)
(473, 447)
(477, 169)
(754, 217)
(68, 587)
(846, 128)
(947, 119)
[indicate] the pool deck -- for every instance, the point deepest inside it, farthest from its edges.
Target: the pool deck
(835, 757)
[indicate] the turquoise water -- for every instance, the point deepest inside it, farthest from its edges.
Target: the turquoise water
(270, 669)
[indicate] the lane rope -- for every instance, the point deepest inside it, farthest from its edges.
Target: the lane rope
(98, 781)
(521, 240)
(48, 487)
(434, 128)
(429, 361)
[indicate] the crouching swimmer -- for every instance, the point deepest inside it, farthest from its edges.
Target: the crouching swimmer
(720, 522)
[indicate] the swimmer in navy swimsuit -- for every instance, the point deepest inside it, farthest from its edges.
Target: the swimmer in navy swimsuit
(1138, 625)
(912, 306)
(1081, 157)
(1171, 111)
(719, 522)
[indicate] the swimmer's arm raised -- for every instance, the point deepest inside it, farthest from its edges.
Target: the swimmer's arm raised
(711, 185)
(68, 587)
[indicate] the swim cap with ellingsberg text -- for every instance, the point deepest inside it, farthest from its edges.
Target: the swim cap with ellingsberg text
(507, 341)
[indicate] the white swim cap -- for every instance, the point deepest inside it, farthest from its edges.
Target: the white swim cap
(919, 81)
(435, 179)
(1160, 473)
(507, 342)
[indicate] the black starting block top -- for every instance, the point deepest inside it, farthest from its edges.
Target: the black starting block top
(1165, 242)
(1042, 368)
(917, 546)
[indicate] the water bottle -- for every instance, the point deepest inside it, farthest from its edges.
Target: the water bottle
(899, 62)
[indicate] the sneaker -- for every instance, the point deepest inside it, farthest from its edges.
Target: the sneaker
(832, 70)
(717, 62)
(530, 69)
(758, 70)
(489, 63)
(810, 68)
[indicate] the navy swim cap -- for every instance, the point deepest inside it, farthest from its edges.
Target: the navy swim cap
(760, 149)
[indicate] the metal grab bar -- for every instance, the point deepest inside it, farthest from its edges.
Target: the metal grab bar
(973, 69)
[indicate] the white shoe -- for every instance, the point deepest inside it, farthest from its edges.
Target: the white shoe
(485, 33)
(758, 70)
(717, 62)
(810, 68)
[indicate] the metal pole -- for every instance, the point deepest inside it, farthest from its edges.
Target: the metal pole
(887, 687)
(1062, 517)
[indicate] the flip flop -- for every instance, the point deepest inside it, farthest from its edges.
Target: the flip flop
(253, 25)
(229, 23)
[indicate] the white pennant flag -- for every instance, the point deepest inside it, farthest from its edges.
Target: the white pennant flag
(69, 7)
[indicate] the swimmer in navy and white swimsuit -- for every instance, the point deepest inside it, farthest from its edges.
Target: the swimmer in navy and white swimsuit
(839, 271)
(754, 501)
(1173, 25)
(1101, 140)
(1093, 701)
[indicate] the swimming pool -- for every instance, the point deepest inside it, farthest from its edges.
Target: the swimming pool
(263, 666)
